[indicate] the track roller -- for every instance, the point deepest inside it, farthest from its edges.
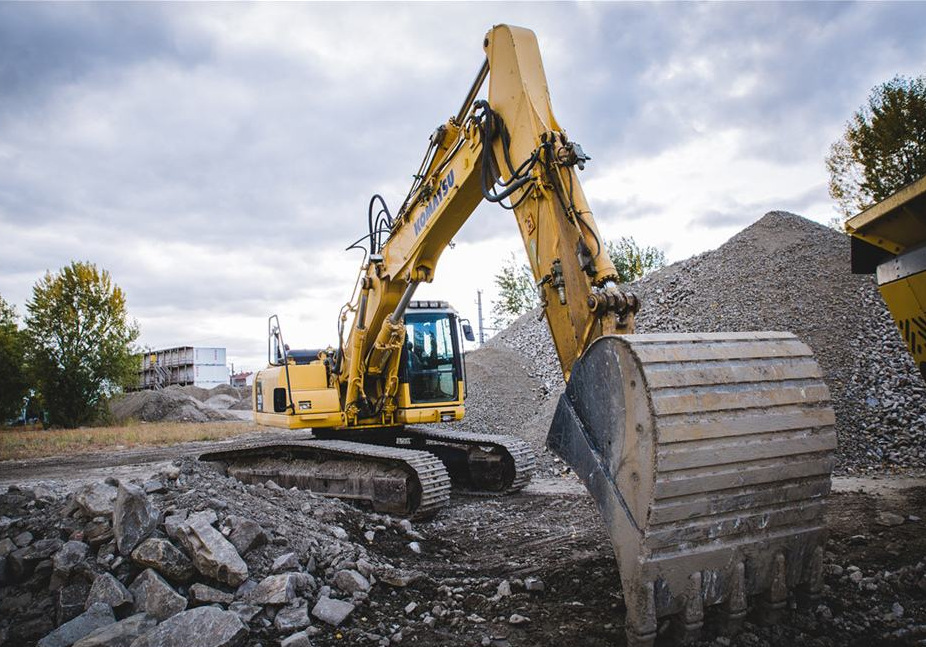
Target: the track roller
(709, 457)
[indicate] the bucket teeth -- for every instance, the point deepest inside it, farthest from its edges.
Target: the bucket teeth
(709, 457)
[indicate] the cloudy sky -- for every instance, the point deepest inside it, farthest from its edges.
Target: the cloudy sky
(218, 158)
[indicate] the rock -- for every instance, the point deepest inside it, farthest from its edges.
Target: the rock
(897, 610)
(856, 576)
(98, 615)
(199, 627)
(339, 533)
(331, 611)
(72, 600)
(274, 589)
(118, 634)
(172, 523)
(504, 589)
(110, 591)
(399, 577)
(289, 619)
(369, 535)
(245, 611)
(201, 594)
(96, 499)
(208, 517)
(165, 558)
(533, 584)
(365, 568)
(245, 534)
(6, 546)
(410, 608)
(287, 562)
(134, 517)
(98, 533)
(69, 556)
(153, 487)
(300, 639)
(155, 596)
(23, 539)
(517, 619)
(351, 581)
(415, 547)
(22, 562)
(889, 519)
(212, 554)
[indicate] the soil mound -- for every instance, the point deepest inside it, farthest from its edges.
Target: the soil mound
(166, 405)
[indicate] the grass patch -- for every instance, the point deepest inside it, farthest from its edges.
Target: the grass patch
(19, 443)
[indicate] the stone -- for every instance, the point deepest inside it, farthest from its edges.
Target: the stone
(154, 596)
(212, 554)
(134, 517)
(365, 568)
(274, 589)
(118, 634)
(72, 600)
(98, 615)
(199, 627)
(415, 547)
(110, 591)
(245, 611)
(201, 594)
(370, 536)
(173, 521)
(286, 562)
(331, 611)
(339, 533)
(300, 639)
(533, 584)
(22, 561)
(246, 534)
(165, 558)
(897, 609)
(889, 519)
(69, 556)
(351, 581)
(6, 546)
(98, 533)
(399, 578)
(208, 517)
(23, 539)
(504, 589)
(96, 499)
(410, 608)
(518, 619)
(405, 525)
(153, 487)
(289, 619)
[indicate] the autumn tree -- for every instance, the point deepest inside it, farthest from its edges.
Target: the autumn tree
(13, 383)
(883, 147)
(80, 342)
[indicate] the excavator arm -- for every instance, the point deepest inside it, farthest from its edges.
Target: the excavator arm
(512, 151)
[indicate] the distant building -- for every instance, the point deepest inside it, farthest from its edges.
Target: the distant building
(184, 365)
(245, 378)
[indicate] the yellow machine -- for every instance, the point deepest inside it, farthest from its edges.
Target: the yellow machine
(708, 455)
(889, 240)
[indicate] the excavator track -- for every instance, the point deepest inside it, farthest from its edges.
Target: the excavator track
(709, 457)
(479, 464)
(395, 480)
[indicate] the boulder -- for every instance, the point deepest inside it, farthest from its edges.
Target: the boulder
(300, 639)
(22, 562)
(289, 619)
(96, 499)
(72, 600)
(110, 591)
(287, 562)
(331, 611)
(274, 589)
(212, 554)
(155, 596)
(351, 581)
(69, 556)
(245, 534)
(118, 634)
(165, 558)
(201, 594)
(199, 627)
(134, 517)
(98, 615)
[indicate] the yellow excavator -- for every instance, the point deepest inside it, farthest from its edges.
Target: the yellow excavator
(708, 455)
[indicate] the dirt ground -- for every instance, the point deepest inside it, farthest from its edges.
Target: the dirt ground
(551, 531)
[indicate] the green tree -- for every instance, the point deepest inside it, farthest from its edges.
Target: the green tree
(80, 342)
(883, 147)
(13, 383)
(517, 293)
(632, 261)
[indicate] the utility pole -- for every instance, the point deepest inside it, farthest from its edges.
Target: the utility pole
(482, 336)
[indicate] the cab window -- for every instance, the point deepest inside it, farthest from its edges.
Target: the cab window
(430, 357)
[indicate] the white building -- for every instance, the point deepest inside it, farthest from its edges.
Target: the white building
(183, 365)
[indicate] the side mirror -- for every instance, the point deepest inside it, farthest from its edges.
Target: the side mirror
(467, 330)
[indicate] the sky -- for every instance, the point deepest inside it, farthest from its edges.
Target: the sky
(218, 159)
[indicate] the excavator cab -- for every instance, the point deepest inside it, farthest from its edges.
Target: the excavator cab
(432, 362)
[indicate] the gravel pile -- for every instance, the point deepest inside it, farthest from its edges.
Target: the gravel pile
(784, 272)
(180, 404)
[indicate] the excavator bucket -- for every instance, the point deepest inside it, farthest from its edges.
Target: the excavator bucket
(709, 457)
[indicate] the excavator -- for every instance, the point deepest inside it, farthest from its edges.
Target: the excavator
(708, 455)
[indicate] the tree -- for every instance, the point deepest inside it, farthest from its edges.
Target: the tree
(632, 261)
(883, 147)
(13, 383)
(517, 293)
(79, 342)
